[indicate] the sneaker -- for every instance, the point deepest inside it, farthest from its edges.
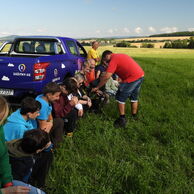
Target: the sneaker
(120, 122)
(70, 134)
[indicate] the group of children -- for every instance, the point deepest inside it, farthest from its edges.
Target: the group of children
(39, 125)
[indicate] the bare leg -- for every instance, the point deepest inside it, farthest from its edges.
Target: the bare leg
(121, 108)
(134, 108)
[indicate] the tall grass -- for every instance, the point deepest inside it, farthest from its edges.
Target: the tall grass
(153, 154)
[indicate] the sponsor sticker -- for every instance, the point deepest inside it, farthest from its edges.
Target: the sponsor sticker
(22, 67)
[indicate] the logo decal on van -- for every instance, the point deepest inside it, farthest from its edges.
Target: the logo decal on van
(10, 65)
(62, 66)
(4, 78)
(21, 67)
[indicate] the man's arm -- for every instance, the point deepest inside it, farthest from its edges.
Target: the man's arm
(97, 59)
(103, 81)
(46, 125)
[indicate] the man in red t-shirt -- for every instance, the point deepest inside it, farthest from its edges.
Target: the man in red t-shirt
(132, 77)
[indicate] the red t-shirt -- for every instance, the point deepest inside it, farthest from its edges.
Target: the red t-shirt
(125, 67)
(90, 77)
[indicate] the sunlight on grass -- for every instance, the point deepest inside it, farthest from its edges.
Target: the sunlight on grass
(149, 52)
(153, 154)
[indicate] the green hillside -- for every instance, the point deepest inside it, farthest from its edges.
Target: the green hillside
(185, 33)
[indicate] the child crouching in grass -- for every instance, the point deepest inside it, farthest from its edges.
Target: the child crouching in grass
(84, 100)
(7, 184)
(65, 108)
(21, 152)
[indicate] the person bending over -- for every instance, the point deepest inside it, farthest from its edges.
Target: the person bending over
(132, 77)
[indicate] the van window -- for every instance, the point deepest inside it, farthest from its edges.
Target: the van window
(6, 48)
(36, 46)
(72, 47)
(81, 49)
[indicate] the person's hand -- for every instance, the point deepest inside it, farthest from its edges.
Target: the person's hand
(97, 59)
(47, 127)
(99, 92)
(89, 103)
(95, 89)
(85, 97)
(74, 101)
(80, 112)
(15, 190)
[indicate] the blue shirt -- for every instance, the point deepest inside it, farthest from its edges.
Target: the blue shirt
(46, 108)
(100, 68)
(16, 125)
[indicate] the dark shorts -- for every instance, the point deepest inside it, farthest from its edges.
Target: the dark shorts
(129, 90)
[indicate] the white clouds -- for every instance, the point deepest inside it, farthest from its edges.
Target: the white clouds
(126, 30)
(110, 31)
(5, 34)
(169, 29)
(41, 30)
(190, 29)
(114, 31)
(98, 32)
(138, 30)
(152, 29)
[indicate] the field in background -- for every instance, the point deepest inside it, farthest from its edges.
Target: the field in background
(154, 38)
(149, 52)
(153, 154)
(157, 41)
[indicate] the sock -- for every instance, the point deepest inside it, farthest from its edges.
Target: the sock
(122, 116)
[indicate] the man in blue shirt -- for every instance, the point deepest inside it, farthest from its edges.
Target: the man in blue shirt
(54, 127)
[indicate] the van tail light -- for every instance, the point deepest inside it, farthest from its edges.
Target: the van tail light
(40, 71)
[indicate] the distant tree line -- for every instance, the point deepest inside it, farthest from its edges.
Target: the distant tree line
(124, 44)
(145, 40)
(128, 44)
(185, 33)
(147, 45)
(180, 44)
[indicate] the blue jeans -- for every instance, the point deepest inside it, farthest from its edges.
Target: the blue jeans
(129, 90)
(33, 190)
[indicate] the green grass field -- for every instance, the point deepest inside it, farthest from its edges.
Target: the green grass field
(154, 154)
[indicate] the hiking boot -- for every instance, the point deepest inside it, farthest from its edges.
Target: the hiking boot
(120, 122)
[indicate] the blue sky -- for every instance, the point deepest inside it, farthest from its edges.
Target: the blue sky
(95, 18)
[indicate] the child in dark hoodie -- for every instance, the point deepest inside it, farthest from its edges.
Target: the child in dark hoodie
(21, 152)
